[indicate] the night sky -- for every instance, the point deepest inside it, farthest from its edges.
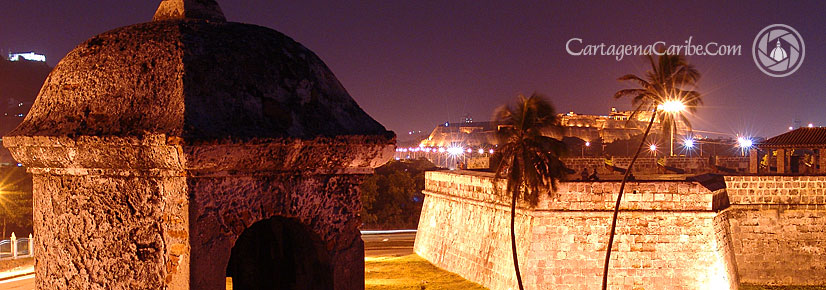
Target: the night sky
(414, 64)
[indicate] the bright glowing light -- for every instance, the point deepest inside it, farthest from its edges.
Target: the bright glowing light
(490, 151)
(441, 149)
(468, 150)
(672, 106)
(653, 147)
(481, 151)
(744, 142)
(811, 125)
(791, 128)
(27, 56)
(587, 144)
(689, 143)
(455, 150)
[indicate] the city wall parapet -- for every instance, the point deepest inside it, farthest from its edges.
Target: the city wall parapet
(670, 234)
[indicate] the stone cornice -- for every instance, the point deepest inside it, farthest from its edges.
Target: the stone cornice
(158, 154)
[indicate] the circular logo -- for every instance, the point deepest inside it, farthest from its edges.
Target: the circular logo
(778, 50)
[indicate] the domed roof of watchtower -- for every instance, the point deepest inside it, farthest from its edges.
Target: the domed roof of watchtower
(189, 73)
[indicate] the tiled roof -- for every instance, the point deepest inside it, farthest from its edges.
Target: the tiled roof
(800, 138)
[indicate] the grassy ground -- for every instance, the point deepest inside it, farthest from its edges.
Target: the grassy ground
(755, 287)
(410, 272)
(413, 272)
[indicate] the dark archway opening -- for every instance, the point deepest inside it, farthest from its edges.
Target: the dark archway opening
(279, 253)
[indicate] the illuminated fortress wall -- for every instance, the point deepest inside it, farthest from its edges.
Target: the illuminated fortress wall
(618, 125)
(778, 225)
(670, 235)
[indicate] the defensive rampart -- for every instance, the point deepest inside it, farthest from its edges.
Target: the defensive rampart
(778, 228)
(671, 234)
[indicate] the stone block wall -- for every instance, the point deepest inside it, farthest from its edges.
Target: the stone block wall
(668, 237)
(648, 165)
(778, 226)
(652, 251)
(644, 165)
(766, 230)
(741, 163)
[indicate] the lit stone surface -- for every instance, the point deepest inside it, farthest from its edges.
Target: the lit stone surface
(648, 165)
(189, 9)
(670, 235)
(154, 147)
(778, 225)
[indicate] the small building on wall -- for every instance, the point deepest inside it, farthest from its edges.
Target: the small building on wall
(800, 151)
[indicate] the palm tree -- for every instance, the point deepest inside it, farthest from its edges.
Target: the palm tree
(667, 87)
(530, 162)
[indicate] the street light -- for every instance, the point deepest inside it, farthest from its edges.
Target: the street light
(653, 149)
(688, 143)
(673, 107)
(587, 144)
(744, 143)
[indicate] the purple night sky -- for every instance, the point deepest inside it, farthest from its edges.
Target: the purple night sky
(414, 64)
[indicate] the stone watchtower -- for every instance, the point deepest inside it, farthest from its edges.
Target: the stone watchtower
(175, 153)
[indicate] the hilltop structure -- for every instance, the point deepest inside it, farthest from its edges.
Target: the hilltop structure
(618, 125)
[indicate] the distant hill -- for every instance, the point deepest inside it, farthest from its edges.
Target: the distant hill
(20, 82)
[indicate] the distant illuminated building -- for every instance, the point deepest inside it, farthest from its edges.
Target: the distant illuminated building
(618, 125)
(30, 56)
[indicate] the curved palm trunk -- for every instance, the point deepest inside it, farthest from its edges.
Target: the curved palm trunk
(619, 199)
(513, 241)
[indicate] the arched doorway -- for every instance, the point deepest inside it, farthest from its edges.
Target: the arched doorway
(279, 253)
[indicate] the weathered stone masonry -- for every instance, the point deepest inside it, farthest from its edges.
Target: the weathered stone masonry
(156, 147)
(778, 227)
(670, 235)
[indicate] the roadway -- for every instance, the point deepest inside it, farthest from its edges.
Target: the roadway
(375, 245)
(20, 283)
(399, 244)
